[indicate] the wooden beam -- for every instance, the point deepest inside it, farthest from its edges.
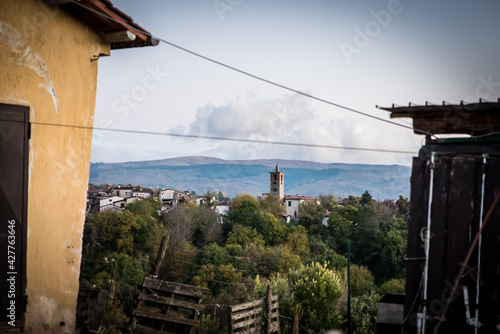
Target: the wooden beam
(169, 301)
(458, 123)
(249, 313)
(119, 36)
(249, 322)
(253, 303)
(116, 17)
(177, 288)
(167, 317)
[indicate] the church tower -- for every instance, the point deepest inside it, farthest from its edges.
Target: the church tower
(277, 183)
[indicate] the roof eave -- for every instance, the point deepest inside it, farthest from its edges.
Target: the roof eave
(463, 118)
(116, 27)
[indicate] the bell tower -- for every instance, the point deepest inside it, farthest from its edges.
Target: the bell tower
(277, 183)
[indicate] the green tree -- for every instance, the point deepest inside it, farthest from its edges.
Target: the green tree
(150, 230)
(403, 204)
(311, 213)
(367, 249)
(246, 212)
(352, 201)
(273, 205)
(128, 277)
(265, 260)
(147, 208)
(207, 227)
(107, 232)
(180, 226)
(243, 235)
(316, 290)
(287, 259)
(334, 261)
(288, 307)
(366, 198)
(297, 240)
(270, 228)
(363, 313)
(217, 278)
(362, 280)
(317, 246)
(181, 266)
(329, 202)
(230, 253)
(243, 210)
(278, 259)
(213, 254)
(343, 226)
(392, 286)
(218, 268)
(394, 248)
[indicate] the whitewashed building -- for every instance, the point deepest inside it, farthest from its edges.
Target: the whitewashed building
(292, 204)
(112, 203)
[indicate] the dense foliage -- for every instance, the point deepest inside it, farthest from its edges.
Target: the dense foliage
(304, 261)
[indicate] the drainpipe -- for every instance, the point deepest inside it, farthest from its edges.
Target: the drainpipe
(475, 322)
(422, 318)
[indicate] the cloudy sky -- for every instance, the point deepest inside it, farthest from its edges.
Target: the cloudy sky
(354, 53)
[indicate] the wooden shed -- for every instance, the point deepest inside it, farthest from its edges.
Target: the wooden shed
(455, 185)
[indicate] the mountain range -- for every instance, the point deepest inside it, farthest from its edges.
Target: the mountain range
(232, 177)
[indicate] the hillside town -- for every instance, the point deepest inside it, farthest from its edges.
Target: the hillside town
(115, 198)
(228, 250)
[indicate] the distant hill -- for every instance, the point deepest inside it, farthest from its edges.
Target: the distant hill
(252, 176)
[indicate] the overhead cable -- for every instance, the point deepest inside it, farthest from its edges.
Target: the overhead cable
(257, 141)
(253, 75)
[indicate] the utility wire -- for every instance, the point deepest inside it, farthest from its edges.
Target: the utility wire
(253, 75)
(258, 141)
(81, 127)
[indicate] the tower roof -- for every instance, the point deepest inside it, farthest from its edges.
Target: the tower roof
(276, 170)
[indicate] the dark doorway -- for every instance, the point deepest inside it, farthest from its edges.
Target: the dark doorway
(14, 149)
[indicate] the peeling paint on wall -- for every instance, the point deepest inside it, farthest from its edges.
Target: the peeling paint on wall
(23, 56)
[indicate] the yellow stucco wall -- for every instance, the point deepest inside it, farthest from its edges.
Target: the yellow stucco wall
(45, 62)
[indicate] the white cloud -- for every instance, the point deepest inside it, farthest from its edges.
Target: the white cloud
(288, 119)
(252, 118)
(291, 118)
